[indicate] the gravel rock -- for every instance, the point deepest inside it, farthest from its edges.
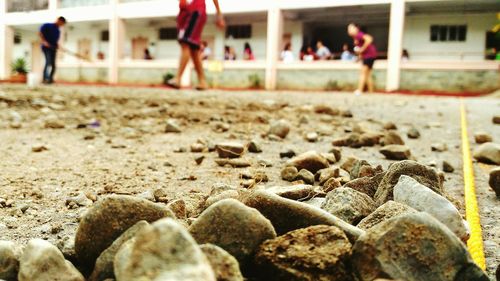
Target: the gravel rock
(482, 137)
(430, 250)
(172, 126)
(234, 227)
(413, 133)
(306, 176)
(318, 252)
(495, 180)
(439, 147)
(324, 175)
(235, 163)
(421, 198)
(390, 126)
(391, 137)
(383, 213)
(366, 185)
(9, 260)
(42, 261)
(337, 152)
(198, 147)
(331, 184)
(107, 219)
(348, 204)
(423, 174)
(488, 153)
(312, 137)
(39, 148)
(225, 266)
(104, 264)
(297, 192)
(230, 149)
(325, 109)
(254, 147)
(356, 140)
(311, 161)
(289, 173)
(80, 200)
(447, 167)
(280, 128)
(178, 208)
(163, 250)
(396, 152)
(496, 119)
(227, 194)
(288, 153)
(287, 215)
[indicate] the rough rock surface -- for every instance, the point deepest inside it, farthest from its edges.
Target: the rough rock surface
(42, 261)
(287, 215)
(104, 264)
(163, 250)
(225, 266)
(311, 161)
(421, 198)
(385, 212)
(423, 174)
(107, 219)
(315, 253)
(348, 204)
(234, 227)
(411, 247)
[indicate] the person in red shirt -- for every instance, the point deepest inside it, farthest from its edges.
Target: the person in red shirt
(367, 52)
(190, 23)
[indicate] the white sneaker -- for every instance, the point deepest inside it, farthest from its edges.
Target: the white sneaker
(357, 93)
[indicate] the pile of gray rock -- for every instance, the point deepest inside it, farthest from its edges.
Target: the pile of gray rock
(360, 223)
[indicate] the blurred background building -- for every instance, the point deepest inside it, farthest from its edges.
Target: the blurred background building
(450, 44)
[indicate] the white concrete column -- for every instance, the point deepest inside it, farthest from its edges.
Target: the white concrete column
(53, 5)
(116, 42)
(274, 38)
(395, 50)
(6, 43)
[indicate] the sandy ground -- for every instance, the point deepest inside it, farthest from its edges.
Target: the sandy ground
(130, 153)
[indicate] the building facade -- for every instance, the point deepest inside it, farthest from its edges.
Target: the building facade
(449, 42)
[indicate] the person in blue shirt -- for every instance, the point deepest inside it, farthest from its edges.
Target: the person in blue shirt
(49, 35)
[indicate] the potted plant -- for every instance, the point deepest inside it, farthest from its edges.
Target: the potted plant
(19, 70)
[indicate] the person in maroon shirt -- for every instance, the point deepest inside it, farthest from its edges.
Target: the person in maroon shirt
(190, 23)
(367, 52)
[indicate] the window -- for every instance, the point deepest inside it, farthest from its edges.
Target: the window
(239, 31)
(167, 33)
(105, 36)
(17, 38)
(448, 33)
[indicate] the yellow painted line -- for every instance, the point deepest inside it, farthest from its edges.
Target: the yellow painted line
(475, 243)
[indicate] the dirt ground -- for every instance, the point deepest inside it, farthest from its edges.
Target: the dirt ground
(127, 151)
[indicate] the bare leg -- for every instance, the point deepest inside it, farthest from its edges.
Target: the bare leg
(183, 61)
(198, 66)
(362, 78)
(369, 80)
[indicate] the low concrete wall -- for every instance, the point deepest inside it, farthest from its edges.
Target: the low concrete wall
(83, 74)
(234, 78)
(450, 80)
(325, 79)
(143, 76)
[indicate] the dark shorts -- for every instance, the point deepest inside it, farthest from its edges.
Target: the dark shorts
(190, 25)
(369, 62)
